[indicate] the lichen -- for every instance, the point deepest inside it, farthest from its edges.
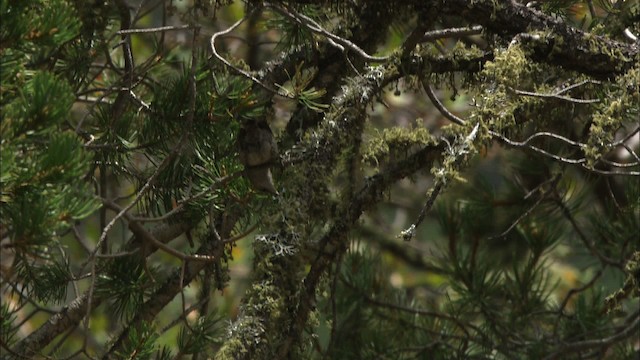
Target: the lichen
(602, 131)
(510, 68)
(264, 318)
(619, 105)
(395, 143)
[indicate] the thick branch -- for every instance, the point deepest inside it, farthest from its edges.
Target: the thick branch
(566, 46)
(334, 242)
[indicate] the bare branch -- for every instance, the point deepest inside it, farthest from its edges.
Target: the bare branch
(235, 68)
(556, 96)
(581, 161)
(452, 33)
(438, 104)
(152, 30)
(334, 40)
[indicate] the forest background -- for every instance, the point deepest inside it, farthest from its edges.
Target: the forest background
(455, 179)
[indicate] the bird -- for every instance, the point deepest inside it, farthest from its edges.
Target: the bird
(258, 151)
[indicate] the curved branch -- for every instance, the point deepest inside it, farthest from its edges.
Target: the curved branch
(236, 69)
(334, 40)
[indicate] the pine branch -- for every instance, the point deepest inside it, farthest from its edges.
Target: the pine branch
(71, 315)
(629, 330)
(168, 291)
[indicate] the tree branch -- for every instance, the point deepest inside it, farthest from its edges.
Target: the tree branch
(562, 44)
(334, 242)
(71, 315)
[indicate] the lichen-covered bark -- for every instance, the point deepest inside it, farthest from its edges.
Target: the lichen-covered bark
(550, 40)
(279, 304)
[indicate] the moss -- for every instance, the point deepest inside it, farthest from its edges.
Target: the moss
(558, 43)
(462, 51)
(499, 107)
(510, 67)
(597, 46)
(602, 131)
(619, 106)
(265, 318)
(395, 143)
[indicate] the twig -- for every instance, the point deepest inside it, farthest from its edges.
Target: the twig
(456, 153)
(629, 35)
(452, 33)
(410, 232)
(119, 254)
(589, 245)
(167, 160)
(182, 316)
(556, 96)
(152, 30)
(526, 213)
(141, 193)
(171, 286)
(95, 100)
(140, 231)
(582, 161)
(334, 311)
(334, 40)
(573, 86)
(415, 37)
(536, 149)
(183, 267)
(15, 354)
(438, 104)
(592, 10)
(144, 234)
(623, 165)
(78, 238)
(238, 70)
(555, 136)
(570, 294)
(216, 185)
(412, 310)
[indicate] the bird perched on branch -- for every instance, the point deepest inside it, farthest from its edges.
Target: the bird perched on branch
(258, 151)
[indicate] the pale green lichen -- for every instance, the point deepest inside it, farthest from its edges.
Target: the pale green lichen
(619, 106)
(264, 318)
(510, 68)
(395, 143)
(602, 131)
(497, 100)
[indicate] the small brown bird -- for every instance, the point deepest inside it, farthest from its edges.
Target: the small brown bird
(258, 151)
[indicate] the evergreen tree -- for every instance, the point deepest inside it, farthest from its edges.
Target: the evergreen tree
(356, 179)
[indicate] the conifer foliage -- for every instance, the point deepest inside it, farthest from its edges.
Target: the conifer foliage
(445, 179)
